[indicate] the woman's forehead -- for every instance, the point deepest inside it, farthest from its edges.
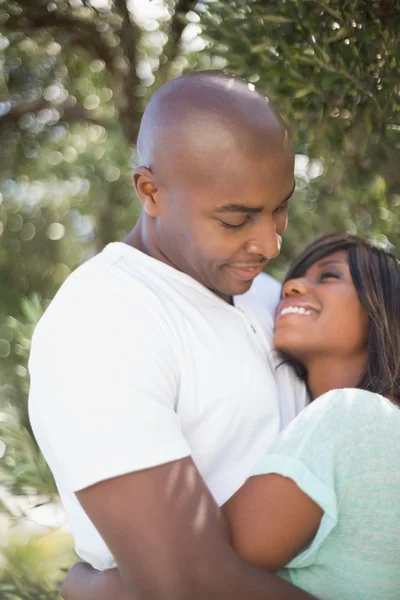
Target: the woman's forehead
(339, 257)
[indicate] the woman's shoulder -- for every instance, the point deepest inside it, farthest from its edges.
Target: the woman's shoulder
(350, 399)
(353, 406)
(339, 418)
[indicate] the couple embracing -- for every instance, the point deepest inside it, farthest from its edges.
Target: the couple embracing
(210, 435)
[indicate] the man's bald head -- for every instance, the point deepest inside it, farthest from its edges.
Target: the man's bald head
(208, 114)
(215, 175)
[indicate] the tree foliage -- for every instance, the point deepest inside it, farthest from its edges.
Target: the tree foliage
(75, 76)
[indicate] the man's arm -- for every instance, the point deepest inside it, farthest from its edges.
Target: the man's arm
(170, 542)
(84, 582)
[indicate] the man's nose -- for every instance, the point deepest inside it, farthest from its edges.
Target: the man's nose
(294, 287)
(266, 241)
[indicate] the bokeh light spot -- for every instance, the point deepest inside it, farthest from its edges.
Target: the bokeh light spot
(55, 231)
(5, 348)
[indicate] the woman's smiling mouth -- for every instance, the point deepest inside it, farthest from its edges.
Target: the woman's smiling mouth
(299, 310)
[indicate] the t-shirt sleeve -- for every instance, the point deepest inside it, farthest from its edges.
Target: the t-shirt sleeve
(315, 451)
(104, 387)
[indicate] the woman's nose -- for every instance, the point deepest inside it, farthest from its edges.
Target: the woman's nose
(294, 287)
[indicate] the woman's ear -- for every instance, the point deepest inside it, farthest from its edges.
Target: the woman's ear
(146, 189)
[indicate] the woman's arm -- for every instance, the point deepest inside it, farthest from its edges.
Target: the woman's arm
(271, 520)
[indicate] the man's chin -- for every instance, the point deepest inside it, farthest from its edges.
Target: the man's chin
(243, 288)
(236, 289)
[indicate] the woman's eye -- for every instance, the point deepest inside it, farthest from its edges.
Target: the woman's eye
(329, 275)
(231, 226)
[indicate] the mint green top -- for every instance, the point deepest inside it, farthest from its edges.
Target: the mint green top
(344, 452)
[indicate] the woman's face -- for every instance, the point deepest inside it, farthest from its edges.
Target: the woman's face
(321, 315)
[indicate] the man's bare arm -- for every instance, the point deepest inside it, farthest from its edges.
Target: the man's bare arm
(84, 582)
(170, 542)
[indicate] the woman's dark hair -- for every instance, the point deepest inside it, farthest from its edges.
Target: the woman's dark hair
(376, 277)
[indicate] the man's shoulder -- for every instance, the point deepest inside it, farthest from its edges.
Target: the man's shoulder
(98, 291)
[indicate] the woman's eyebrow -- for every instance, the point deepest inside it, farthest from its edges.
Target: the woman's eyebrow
(331, 262)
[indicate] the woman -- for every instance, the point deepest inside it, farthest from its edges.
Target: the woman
(339, 325)
(332, 475)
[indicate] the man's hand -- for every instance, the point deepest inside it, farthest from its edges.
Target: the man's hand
(83, 581)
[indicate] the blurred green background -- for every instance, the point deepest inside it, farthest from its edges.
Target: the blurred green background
(75, 76)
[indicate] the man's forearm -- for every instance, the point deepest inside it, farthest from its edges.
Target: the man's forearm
(84, 582)
(239, 581)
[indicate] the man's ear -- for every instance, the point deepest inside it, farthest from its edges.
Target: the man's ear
(146, 189)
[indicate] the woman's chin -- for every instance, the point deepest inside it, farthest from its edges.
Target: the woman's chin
(290, 343)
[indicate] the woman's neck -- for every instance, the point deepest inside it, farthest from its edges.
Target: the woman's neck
(329, 373)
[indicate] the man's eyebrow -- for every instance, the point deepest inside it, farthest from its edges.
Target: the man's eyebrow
(241, 208)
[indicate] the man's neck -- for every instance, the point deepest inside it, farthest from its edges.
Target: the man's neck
(140, 238)
(137, 237)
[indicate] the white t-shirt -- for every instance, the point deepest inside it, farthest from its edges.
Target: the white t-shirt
(135, 364)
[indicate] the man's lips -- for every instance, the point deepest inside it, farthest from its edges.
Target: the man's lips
(245, 272)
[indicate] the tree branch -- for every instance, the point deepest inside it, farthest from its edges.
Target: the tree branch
(68, 113)
(18, 111)
(81, 32)
(177, 26)
(129, 33)
(128, 106)
(85, 34)
(74, 114)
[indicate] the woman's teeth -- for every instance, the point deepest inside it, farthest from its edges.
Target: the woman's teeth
(299, 310)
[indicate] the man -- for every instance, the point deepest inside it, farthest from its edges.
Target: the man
(153, 391)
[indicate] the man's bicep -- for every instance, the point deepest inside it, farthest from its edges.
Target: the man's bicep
(160, 524)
